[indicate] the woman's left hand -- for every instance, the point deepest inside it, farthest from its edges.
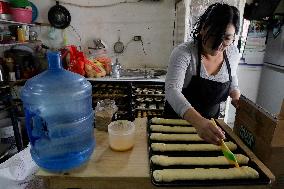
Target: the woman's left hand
(235, 95)
(235, 103)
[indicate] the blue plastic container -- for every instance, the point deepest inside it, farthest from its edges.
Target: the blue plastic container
(59, 117)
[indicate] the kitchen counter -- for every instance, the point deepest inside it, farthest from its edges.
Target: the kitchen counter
(119, 170)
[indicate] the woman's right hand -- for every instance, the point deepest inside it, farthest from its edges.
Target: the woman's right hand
(205, 128)
(209, 132)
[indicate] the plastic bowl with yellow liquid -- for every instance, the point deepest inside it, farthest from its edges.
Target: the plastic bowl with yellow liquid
(121, 135)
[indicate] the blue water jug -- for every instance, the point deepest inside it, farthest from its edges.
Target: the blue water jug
(59, 117)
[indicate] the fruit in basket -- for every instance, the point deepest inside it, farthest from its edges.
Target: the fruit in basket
(94, 69)
(106, 63)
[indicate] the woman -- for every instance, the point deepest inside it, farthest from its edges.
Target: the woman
(202, 73)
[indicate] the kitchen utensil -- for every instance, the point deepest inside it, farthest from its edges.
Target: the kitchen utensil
(118, 46)
(33, 35)
(115, 69)
(21, 15)
(226, 151)
(121, 135)
(20, 3)
(59, 17)
(35, 12)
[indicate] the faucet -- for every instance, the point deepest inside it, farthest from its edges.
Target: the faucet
(115, 69)
(98, 44)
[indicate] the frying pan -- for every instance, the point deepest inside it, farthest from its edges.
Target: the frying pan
(59, 17)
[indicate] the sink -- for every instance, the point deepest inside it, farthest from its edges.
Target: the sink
(133, 74)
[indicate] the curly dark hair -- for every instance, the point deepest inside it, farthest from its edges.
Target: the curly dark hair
(215, 20)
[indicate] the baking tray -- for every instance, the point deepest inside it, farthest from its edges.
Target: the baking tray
(262, 180)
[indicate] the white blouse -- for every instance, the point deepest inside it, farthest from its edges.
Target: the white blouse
(183, 65)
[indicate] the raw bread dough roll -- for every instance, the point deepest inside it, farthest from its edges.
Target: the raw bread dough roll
(163, 121)
(169, 175)
(190, 147)
(220, 160)
(172, 129)
(175, 137)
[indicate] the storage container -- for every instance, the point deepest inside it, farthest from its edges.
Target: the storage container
(59, 117)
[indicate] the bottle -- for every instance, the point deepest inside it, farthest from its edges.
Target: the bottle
(21, 35)
(59, 117)
(26, 30)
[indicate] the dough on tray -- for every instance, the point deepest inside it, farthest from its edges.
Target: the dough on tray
(169, 175)
(219, 160)
(163, 121)
(175, 137)
(172, 129)
(190, 147)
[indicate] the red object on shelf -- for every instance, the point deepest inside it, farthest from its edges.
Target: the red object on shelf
(22, 15)
(74, 59)
(4, 7)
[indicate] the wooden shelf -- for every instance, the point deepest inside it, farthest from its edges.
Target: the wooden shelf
(14, 23)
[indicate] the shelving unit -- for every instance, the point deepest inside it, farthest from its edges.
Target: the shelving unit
(149, 99)
(12, 44)
(130, 102)
(10, 22)
(151, 95)
(14, 23)
(120, 92)
(8, 121)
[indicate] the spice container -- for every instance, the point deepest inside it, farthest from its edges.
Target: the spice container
(104, 112)
(121, 135)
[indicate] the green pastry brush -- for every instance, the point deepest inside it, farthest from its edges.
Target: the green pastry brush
(226, 151)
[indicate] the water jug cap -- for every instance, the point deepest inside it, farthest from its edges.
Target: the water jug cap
(54, 60)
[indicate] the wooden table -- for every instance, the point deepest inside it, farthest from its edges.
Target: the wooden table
(116, 170)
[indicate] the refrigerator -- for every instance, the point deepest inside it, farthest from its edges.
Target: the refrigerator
(252, 51)
(271, 86)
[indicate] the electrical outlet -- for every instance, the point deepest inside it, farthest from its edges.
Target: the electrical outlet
(137, 38)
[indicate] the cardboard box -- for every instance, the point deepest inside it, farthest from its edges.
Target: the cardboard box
(263, 133)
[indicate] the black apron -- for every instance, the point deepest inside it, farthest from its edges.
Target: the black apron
(204, 95)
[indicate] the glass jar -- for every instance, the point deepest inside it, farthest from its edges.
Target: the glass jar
(104, 112)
